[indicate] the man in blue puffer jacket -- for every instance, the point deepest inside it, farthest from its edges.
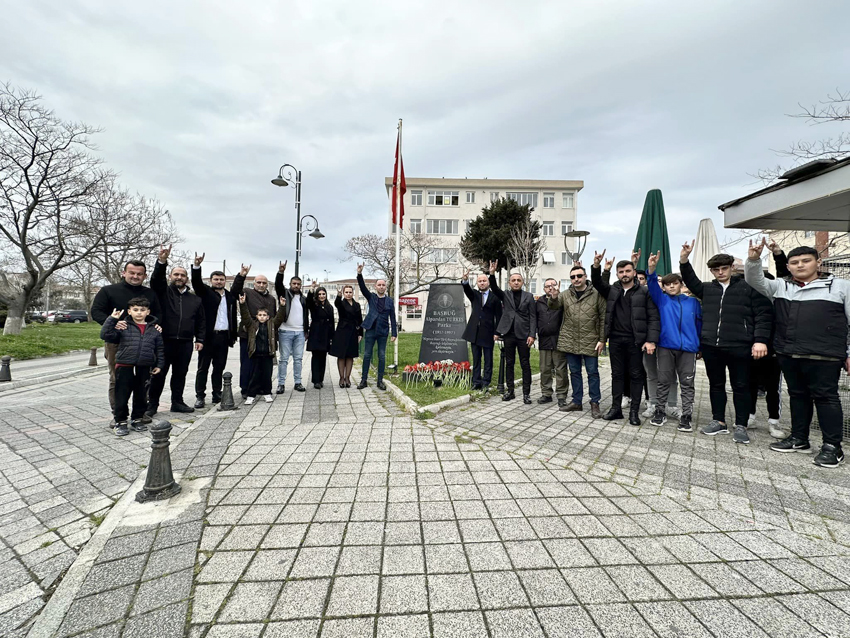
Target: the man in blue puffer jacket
(681, 323)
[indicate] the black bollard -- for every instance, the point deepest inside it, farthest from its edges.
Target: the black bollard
(5, 372)
(93, 357)
(501, 387)
(160, 483)
(227, 402)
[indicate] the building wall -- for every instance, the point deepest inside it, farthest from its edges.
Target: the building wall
(828, 243)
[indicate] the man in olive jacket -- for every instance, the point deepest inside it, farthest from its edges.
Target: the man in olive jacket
(582, 337)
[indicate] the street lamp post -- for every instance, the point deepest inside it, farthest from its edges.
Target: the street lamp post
(285, 175)
(581, 243)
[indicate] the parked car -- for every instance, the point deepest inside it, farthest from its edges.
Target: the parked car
(71, 316)
(36, 317)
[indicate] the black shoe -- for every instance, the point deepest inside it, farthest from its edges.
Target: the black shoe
(475, 387)
(791, 444)
(181, 407)
(634, 417)
(348, 384)
(659, 418)
(562, 403)
(200, 403)
(280, 390)
(121, 429)
(299, 388)
(321, 385)
(829, 456)
(216, 398)
(380, 385)
(362, 385)
(317, 385)
(508, 396)
(137, 426)
(613, 414)
(544, 399)
(151, 412)
(685, 423)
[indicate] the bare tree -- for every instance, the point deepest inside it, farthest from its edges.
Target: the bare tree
(48, 178)
(525, 247)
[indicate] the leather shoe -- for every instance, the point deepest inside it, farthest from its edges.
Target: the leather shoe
(362, 385)
(216, 398)
(200, 404)
(613, 414)
(544, 399)
(146, 419)
(562, 403)
(526, 398)
(634, 417)
(181, 407)
(151, 411)
(299, 388)
(380, 385)
(572, 407)
(317, 385)
(595, 412)
(508, 396)
(280, 389)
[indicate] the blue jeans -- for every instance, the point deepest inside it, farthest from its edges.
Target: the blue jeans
(291, 343)
(372, 337)
(591, 364)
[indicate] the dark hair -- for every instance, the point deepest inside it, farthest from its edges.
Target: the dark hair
(348, 286)
(291, 279)
(142, 302)
(265, 310)
(217, 273)
(803, 250)
(137, 263)
(720, 260)
(321, 289)
(624, 263)
(581, 268)
(641, 272)
(672, 278)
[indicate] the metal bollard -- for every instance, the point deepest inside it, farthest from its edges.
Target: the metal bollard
(501, 387)
(93, 357)
(227, 402)
(5, 372)
(160, 483)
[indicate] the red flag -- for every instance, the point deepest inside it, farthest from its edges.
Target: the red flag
(398, 182)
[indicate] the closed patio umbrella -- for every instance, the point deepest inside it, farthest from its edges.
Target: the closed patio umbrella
(652, 233)
(705, 248)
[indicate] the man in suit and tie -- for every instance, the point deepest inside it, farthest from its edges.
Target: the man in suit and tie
(518, 327)
(378, 325)
(481, 328)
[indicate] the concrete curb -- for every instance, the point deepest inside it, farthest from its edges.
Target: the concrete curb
(413, 408)
(56, 376)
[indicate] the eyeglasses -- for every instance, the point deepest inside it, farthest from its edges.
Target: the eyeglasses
(576, 276)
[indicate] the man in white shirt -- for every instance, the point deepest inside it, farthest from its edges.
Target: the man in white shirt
(293, 331)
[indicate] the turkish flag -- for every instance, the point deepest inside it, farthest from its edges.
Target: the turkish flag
(398, 182)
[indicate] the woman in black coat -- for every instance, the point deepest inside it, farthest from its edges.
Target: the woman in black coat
(346, 339)
(321, 331)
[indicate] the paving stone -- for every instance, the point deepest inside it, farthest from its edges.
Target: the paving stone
(468, 624)
(403, 595)
(167, 622)
(819, 613)
(620, 621)
(99, 609)
(224, 566)
(775, 619)
(113, 574)
(767, 578)
(546, 587)
(348, 628)
(447, 559)
(513, 623)
(450, 592)
(672, 619)
(353, 596)
(682, 582)
(404, 559)
(499, 590)
(723, 619)
(250, 602)
(163, 591)
(302, 599)
(241, 630)
(566, 622)
(207, 600)
(592, 585)
(404, 627)
(725, 580)
(293, 629)
(637, 583)
(170, 559)
(313, 562)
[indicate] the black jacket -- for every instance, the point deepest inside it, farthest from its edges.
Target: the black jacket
(211, 300)
(116, 296)
(321, 324)
(282, 291)
(736, 318)
(548, 324)
(182, 313)
(135, 348)
(482, 322)
(520, 321)
(253, 300)
(645, 320)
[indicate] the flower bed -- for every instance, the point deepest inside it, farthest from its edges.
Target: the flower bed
(446, 373)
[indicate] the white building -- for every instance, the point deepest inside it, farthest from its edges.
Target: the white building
(443, 207)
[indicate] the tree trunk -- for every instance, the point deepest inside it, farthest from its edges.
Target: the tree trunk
(15, 320)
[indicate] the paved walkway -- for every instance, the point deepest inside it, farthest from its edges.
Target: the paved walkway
(332, 513)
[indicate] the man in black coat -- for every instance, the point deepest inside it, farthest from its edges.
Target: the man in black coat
(737, 322)
(117, 296)
(183, 322)
(518, 327)
(220, 313)
(553, 362)
(255, 298)
(481, 328)
(632, 326)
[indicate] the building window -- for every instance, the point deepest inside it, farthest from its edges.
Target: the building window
(416, 198)
(809, 233)
(566, 227)
(548, 229)
(442, 256)
(443, 198)
(413, 312)
(532, 286)
(441, 226)
(548, 200)
(523, 198)
(565, 283)
(566, 260)
(470, 197)
(414, 225)
(569, 201)
(494, 197)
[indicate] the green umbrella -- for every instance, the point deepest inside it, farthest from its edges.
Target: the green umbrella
(652, 233)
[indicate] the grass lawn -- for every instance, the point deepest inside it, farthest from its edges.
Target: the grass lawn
(426, 393)
(38, 340)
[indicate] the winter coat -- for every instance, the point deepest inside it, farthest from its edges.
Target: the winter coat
(117, 296)
(282, 291)
(735, 317)
(321, 324)
(251, 326)
(548, 324)
(381, 322)
(520, 321)
(681, 317)
(254, 300)
(811, 320)
(345, 343)
(483, 319)
(183, 316)
(645, 322)
(583, 322)
(211, 300)
(135, 348)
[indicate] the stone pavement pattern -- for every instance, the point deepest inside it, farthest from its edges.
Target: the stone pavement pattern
(346, 517)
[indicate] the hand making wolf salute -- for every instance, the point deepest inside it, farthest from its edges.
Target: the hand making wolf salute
(220, 312)
(632, 326)
(379, 321)
(293, 330)
(518, 327)
(736, 327)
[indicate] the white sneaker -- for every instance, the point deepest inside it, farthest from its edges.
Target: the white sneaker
(627, 401)
(649, 412)
(775, 430)
(249, 401)
(674, 411)
(269, 398)
(751, 421)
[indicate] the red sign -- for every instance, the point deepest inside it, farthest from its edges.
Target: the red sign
(408, 301)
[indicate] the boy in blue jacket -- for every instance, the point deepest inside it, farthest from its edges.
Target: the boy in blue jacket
(681, 323)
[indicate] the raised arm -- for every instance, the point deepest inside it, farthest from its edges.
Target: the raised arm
(361, 283)
(655, 289)
(602, 287)
(754, 273)
(691, 280)
(494, 286)
(108, 332)
(158, 283)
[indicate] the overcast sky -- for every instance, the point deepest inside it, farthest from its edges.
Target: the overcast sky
(201, 102)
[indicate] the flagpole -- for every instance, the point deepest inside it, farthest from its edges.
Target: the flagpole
(396, 280)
